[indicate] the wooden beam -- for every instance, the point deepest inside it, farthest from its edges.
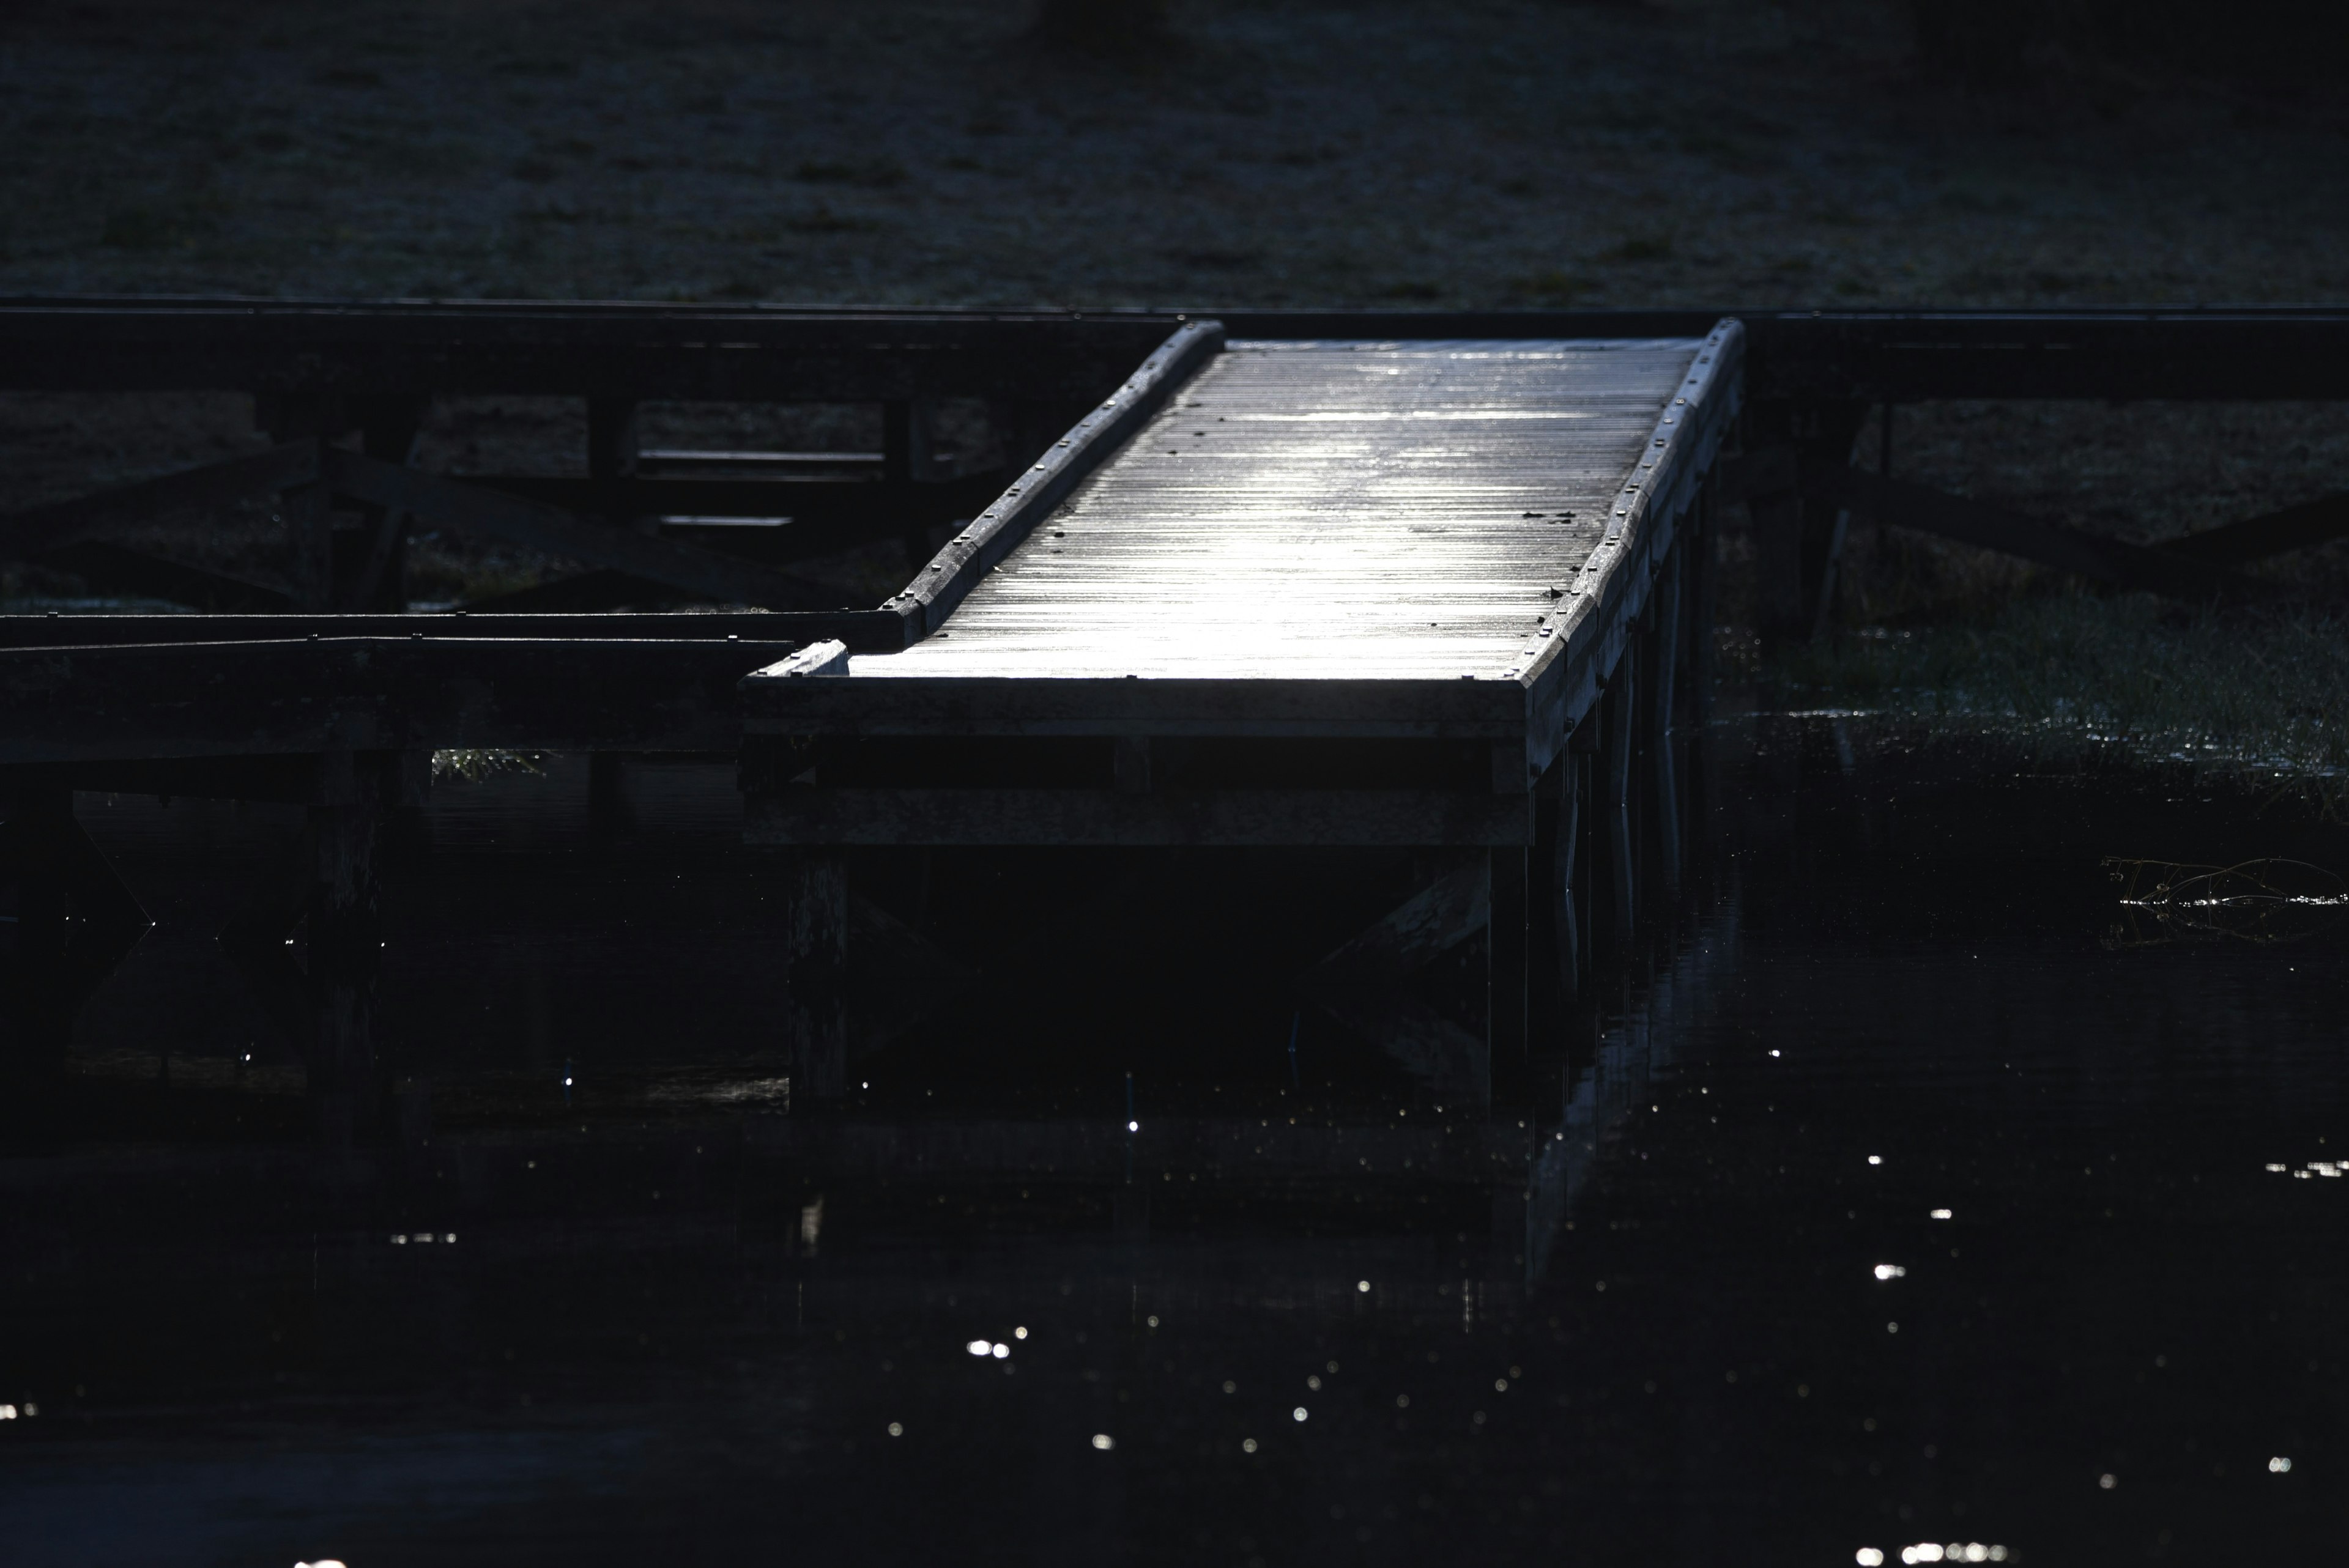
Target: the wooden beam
(32, 531)
(608, 349)
(74, 705)
(941, 585)
(923, 706)
(112, 568)
(536, 526)
(2112, 560)
(801, 814)
(2269, 534)
(859, 630)
(1365, 983)
(851, 511)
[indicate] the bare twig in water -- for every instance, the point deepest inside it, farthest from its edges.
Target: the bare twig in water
(2263, 901)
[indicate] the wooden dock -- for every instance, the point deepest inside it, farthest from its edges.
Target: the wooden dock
(1431, 587)
(1351, 593)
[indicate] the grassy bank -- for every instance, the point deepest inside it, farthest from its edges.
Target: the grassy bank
(1341, 153)
(2254, 693)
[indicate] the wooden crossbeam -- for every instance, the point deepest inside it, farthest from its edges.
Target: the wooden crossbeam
(112, 568)
(2115, 561)
(2269, 534)
(859, 629)
(74, 705)
(537, 526)
(801, 814)
(1366, 983)
(852, 510)
(34, 531)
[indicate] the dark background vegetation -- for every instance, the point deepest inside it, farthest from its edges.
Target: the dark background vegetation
(1383, 153)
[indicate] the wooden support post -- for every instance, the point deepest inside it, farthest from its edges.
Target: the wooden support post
(377, 582)
(813, 883)
(1798, 542)
(906, 426)
(1508, 954)
(346, 941)
(307, 514)
(611, 443)
(613, 446)
(306, 510)
(1132, 764)
(1662, 776)
(906, 460)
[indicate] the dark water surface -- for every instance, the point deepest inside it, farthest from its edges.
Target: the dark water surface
(1685, 1298)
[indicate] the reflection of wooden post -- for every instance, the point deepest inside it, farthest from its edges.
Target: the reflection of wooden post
(1507, 953)
(1701, 570)
(1665, 645)
(814, 886)
(1621, 716)
(1568, 777)
(607, 800)
(1586, 857)
(40, 1004)
(346, 916)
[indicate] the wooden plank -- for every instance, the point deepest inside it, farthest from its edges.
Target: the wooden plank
(1909, 356)
(1171, 596)
(632, 349)
(858, 629)
(614, 349)
(1453, 907)
(370, 693)
(950, 577)
(854, 510)
(31, 530)
(1331, 707)
(2269, 534)
(539, 527)
(802, 814)
(2112, 560)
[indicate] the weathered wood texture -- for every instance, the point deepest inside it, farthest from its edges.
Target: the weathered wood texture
(940, 587)
(1421, 539)
(1332, 510)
